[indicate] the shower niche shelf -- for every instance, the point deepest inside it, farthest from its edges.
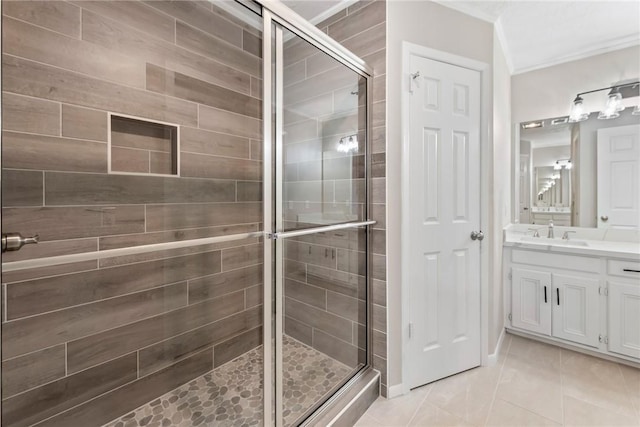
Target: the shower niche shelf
(139, 146)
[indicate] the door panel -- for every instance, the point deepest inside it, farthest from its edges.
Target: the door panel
(575, 314)
(531, 300)
(443, 162)
(619, 177)
(321, 272)
(624, 318)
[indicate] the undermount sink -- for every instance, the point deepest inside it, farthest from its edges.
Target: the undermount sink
(555, 241)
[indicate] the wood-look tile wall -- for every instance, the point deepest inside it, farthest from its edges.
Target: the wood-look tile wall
(85, 342)
(361, 28)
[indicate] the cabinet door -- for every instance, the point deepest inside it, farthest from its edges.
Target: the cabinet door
(576, 309)
(624, 318)
(531, 301)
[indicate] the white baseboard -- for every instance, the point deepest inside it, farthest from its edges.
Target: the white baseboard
(492, 359)
(394, 391)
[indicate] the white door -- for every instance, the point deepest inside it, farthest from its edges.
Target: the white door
(624, 318)
(531, 298)
(618, 177)
(444, 208)
(525, 190)
(575, 315)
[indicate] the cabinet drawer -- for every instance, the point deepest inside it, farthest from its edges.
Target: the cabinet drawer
(624, 269)
(566, 262)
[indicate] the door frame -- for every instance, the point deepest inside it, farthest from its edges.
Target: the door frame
(409, 50)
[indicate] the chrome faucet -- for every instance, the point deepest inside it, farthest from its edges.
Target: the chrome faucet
(565, 236)
(535, 231)
(550, 234)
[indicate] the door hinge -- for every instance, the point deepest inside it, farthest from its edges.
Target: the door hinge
(510, 317)
(603, 290)
(603, 339)
(410, 329)
(510, 275)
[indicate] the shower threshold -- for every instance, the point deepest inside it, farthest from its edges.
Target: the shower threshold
(231, 395)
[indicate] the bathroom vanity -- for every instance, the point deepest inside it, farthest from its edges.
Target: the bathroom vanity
(583, 291)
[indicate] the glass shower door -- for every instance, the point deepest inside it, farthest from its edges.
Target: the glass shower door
(321, 234)
(131, 145)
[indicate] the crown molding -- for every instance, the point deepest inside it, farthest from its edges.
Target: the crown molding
(452, 4)
(604, 47)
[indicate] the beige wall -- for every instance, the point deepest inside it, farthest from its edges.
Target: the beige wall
(501, 191)
(432, 25)
(548, 92)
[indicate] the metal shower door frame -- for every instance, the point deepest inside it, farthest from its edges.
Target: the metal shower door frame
(276, 17)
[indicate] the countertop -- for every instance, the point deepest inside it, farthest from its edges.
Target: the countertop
(623, 244)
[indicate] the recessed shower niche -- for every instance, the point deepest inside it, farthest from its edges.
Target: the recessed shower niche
(142, 146)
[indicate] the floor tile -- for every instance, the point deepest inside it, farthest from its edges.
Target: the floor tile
(535, 353)
(533, 384)
(508, 415)
(531, 387)
(399, 410)
(632, 383)
(430, 415)
(468, 395)
(596, 381)
(368, 421)
(580, 413)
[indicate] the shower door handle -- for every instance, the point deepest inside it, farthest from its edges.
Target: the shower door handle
(14, 241)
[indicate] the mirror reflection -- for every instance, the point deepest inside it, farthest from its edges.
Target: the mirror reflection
(583, 174)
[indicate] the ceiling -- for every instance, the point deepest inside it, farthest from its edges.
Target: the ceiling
(534, 34)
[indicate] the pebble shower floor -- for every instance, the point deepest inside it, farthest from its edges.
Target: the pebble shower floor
(231, 395)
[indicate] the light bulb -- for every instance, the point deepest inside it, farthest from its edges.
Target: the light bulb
(557, 166)
(577, 113)
(569, 165)
(613, 107)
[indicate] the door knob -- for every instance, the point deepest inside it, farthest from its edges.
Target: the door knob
(14, 241)
(477, 235)
(604, 218)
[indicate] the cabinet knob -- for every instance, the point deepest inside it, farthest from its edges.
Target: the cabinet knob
(604, 218)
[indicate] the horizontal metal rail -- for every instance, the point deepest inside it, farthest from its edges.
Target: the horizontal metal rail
(131, 250)
(155, 247)
(314, 230)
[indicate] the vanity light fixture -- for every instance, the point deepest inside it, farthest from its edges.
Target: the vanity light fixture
(566, 163)
(348, 144)
(612, 108)
(532, 125)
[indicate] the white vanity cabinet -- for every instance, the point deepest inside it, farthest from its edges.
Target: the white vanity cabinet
(530, 305)
(623, 283)
(591, 302)
(564, 306)
(576, 309)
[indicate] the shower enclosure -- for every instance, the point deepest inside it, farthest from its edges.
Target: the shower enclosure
(196, 174)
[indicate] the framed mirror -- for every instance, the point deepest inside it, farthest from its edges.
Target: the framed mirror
(582, 174)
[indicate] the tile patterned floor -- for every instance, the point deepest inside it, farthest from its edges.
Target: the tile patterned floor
(533, 384)
(231, 395)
